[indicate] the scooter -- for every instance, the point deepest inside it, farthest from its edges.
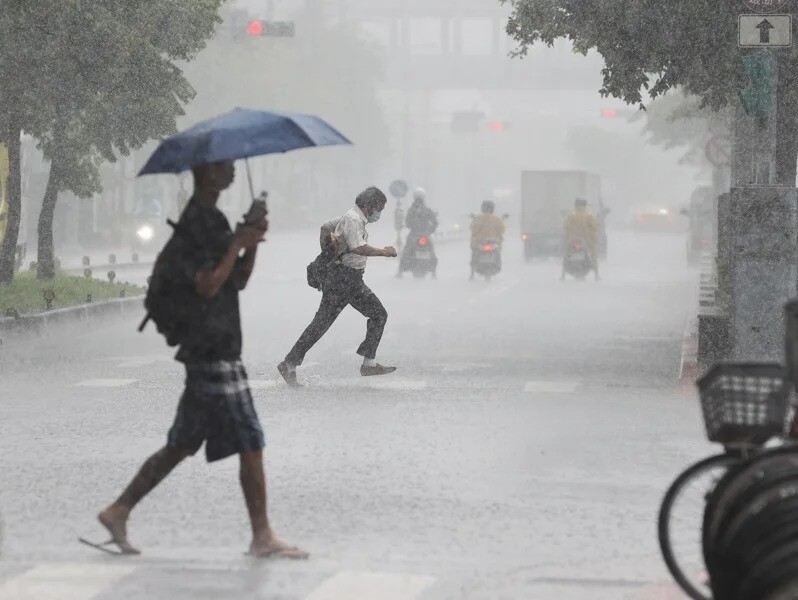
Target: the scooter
(419, 256)
(578, 262)
(487, 257)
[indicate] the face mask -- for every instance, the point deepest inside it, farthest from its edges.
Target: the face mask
(375, 216)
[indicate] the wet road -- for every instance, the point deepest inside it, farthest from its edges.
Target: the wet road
(519, 452)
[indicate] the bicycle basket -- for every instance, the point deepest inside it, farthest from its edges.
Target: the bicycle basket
(744, 403)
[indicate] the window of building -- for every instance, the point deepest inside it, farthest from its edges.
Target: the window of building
(425, 36)
(477, 37)
(377, 31)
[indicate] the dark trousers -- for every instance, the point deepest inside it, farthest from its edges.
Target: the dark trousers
(343, 287)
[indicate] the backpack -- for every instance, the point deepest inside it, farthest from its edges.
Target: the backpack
(319, 267)
(317, 270)
(171, 302)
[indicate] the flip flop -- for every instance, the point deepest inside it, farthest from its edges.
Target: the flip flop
(124, 548)
(292, 553)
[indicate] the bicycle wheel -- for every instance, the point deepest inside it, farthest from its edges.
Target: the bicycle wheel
(680, 523)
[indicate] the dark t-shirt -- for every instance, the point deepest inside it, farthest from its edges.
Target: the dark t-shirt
(217, 335)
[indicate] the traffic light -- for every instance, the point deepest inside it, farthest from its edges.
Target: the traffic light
(255, 28)
(497, 126)
(610, 113)
(259, 28)
(757, 95)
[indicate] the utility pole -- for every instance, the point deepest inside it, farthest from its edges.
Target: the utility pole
(762, 226)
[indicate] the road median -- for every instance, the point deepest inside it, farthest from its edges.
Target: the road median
(30, 306)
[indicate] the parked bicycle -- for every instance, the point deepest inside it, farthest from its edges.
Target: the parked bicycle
(745, 406)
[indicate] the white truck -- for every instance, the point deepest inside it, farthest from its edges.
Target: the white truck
(547, 197)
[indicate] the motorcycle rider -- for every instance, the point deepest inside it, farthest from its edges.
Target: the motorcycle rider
(422, 221)
(485, 227)
(581, 225)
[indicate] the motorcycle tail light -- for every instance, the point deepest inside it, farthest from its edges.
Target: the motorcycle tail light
(423, 240)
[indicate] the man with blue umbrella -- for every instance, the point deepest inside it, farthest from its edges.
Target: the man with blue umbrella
(204, 267)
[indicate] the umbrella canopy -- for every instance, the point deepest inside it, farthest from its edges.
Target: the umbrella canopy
(240, 133)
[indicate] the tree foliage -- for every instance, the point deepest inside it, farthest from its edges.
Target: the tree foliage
(651, 46)
(93, 80)
(677, 121)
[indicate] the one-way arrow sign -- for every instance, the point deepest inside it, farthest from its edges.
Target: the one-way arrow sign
(765, 31)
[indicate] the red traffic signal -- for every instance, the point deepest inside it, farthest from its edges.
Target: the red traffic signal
(255, 28)
(610, 113)
(497, 125)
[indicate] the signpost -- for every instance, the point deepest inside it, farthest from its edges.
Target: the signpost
(757, 221)
(760, 31)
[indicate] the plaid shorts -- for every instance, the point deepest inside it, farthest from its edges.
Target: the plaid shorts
(216, 408)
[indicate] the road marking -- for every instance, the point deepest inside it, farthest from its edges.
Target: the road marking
(134, 362)
(461, 367)
(386, 383)
(105, 383)
(550, 387)
(60, 581)
(359, 585)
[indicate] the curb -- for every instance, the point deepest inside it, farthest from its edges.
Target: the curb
(43, 323)
(689, 370)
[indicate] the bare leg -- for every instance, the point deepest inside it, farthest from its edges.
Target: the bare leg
(253, 483)
(155, 468)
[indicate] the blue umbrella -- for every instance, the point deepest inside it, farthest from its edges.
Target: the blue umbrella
(240, 133)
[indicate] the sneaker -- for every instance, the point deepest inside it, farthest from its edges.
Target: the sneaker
(378, 370)
(288, 375)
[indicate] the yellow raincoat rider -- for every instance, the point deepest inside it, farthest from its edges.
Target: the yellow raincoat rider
(581, 225)
(485, 227)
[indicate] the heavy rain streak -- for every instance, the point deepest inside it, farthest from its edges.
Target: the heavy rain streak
(398, 299)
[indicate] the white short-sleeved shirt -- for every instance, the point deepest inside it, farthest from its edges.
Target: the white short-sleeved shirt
(351, 230)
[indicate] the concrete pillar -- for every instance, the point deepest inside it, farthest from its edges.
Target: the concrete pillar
(763, 240)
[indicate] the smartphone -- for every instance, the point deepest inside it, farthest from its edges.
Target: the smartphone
(257, 211)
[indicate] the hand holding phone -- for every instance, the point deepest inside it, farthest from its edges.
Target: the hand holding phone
(257, 211)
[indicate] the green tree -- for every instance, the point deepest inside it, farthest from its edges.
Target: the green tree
(650, 47)
(100, 82)
(677, 120)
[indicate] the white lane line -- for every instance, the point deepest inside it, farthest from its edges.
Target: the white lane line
(461, 367)
(135, 362)
(551, 387)
(105, 383)
(381, 383)
(62, 580)
(361, 585)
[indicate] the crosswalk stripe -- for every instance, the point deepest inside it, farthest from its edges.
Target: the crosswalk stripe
(105, 383)
(382, 383)
(63, 580)
(551, 387)
(360, 585)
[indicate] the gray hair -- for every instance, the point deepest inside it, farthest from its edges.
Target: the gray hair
(371, 196)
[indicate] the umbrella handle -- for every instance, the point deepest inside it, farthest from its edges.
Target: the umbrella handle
(249, 179)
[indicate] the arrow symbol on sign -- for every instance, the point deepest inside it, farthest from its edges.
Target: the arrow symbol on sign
(764, 31)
